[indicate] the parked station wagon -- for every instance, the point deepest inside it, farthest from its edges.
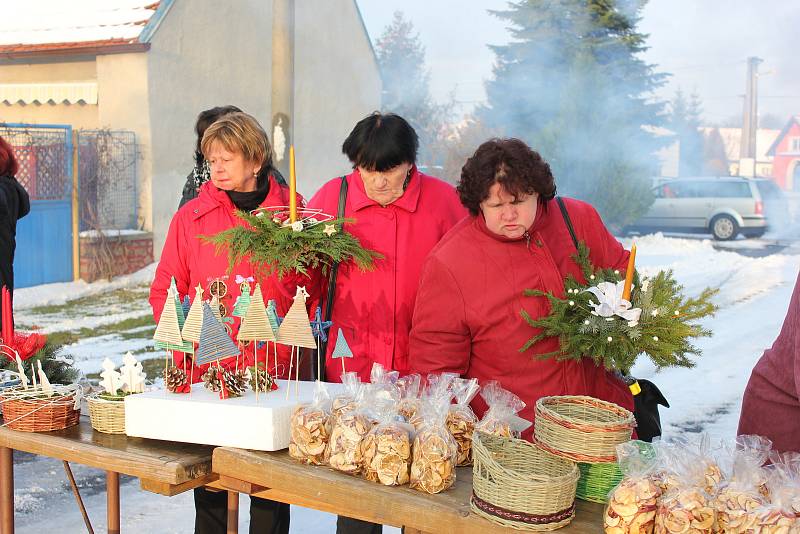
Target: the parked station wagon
(724, 206)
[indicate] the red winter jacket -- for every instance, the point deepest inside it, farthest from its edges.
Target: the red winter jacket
(467, 315)
(192, 262)
(374, 308)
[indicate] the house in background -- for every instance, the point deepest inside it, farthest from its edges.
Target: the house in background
(732, 139)
(150, 68)
(785, 151)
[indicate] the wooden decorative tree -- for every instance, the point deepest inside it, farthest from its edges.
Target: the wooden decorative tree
(255, 327)
(295, 331)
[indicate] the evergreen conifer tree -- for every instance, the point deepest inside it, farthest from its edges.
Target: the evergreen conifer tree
(572, 84)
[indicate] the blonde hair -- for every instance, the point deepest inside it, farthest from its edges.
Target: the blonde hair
(239, 132)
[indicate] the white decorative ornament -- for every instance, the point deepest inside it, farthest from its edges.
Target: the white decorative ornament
(586, 322)
(47, 389)
(112, 380)
(21, 371)
(591, 277)
(329, 230)
(655, 338)
(677, 313)
(645, 285)
(610, 301)
(654, 312)
(133, 375)
(572, 303)
(609, 339)
(297, 226)
(278, 140)
(633, 323)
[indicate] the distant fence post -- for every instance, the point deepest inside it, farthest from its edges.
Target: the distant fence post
(76, 265)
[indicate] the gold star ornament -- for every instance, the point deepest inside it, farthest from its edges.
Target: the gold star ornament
(329, 230)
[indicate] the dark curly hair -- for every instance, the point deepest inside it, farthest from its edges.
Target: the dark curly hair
(510, 162)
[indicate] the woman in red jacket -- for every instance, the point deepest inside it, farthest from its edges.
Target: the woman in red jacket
(399, 212)
(467, 316)
(238, 152)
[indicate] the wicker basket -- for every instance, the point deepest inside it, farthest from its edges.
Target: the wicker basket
(583, 429)
(107, 416)
(518, 485)
(597, 481)
(27, 410)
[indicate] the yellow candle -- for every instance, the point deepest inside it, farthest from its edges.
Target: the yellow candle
(292, 187)
(626, 291)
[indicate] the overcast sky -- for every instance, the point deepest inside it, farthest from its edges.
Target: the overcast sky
(704, 44)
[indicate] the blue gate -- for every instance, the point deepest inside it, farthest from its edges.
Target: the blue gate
(44, 236)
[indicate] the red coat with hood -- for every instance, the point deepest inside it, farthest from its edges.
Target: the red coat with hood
(374, 308)
(192, 261)
(467, 316)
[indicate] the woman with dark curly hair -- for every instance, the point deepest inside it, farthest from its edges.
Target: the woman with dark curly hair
(467, 314)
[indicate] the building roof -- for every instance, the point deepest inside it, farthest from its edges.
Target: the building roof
(89, 27)
(795, 119)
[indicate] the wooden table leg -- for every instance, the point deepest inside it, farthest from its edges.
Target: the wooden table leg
(6, 490)
(112, 501)
(233, 513)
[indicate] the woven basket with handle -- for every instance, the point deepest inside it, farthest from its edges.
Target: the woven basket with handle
(583, 429)
(518, 485)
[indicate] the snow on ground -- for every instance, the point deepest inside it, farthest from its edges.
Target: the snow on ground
(753, 299)
(62, 292)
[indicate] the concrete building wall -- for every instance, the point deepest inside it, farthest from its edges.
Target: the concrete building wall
(204, 54)
(77, 115)
(337, 83)
(123, 100)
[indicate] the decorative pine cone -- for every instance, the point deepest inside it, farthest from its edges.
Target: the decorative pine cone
(174, 378)
(211, 379)
(265, 380)
(235, 383)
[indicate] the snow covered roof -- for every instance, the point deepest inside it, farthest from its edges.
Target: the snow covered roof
(34, 27)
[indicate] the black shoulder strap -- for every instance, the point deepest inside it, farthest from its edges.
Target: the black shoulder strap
(332, 278)
(567, 220)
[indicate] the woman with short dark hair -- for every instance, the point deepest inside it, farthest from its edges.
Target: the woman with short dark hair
(401, 213)
(14, 205)
(467, 316)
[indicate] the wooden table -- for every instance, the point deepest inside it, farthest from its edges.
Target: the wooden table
(276, 476)
(163, 467)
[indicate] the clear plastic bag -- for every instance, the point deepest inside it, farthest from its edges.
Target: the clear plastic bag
(461, 419)
(310, 428)
(347, 400)
(410, 401)
(688, 508)
(386, 449)
(632, 504)
(782, 514)
(433, 467)
(501, 417)
(744, 491)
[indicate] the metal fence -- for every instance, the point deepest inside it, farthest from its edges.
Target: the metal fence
(45, 159)
(107, 192)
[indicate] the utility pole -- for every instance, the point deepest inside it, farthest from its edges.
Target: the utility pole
(282, 82)
(750, 113)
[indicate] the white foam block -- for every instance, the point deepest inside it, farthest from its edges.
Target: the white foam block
(202, 417)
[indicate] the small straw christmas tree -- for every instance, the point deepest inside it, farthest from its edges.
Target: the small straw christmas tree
(295, 331)
(242, 302)
(255, 326)
(194, 320)
(215, 344)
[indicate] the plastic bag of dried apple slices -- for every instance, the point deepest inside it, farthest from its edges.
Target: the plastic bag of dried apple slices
(386, 449)
(744, 489)
(782, 514)
(632, 504)
(501, 417)
(349, 427)
(687, 508)
(347, 400)
(436, 387)
(310, 426)
(433, 467)
(383, 383)
(410, 401)
(461, 419)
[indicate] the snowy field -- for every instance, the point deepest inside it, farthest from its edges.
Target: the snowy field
(754, 295)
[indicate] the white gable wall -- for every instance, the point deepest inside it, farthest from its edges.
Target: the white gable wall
(337, 83)
(205, 53)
